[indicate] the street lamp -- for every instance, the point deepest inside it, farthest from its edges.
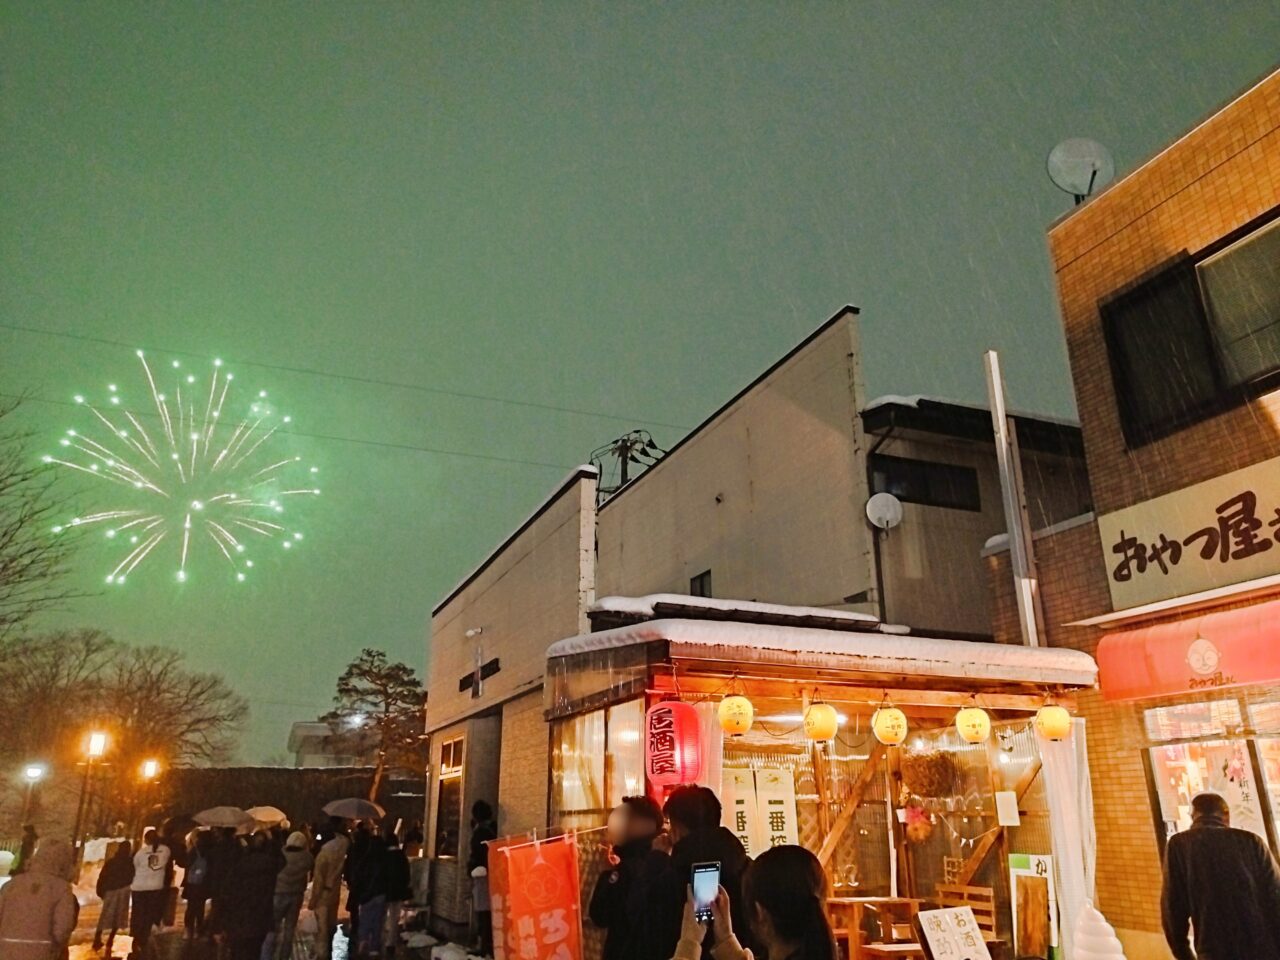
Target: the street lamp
(97, 747)
(33, 774)
(150, 769)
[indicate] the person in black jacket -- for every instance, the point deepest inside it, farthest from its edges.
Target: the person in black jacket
(484, 830)
(619, 903)
(693, 815)
(113, 889)
(399, 890)
(1226, 883)
(244, 917)
(369, 891)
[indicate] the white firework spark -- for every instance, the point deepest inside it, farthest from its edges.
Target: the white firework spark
(192, 478)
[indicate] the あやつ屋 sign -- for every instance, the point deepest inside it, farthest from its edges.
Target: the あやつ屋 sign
(1213, 534)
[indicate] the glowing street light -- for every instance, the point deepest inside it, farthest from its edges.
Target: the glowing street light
(150, 769)
(97, 747)
(33, 773)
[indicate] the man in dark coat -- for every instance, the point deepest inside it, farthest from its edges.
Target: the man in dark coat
(693, 815)
(623, 892)
(1226, 883)
(244, 917)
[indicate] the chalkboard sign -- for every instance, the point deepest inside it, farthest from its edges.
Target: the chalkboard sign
(951, 934)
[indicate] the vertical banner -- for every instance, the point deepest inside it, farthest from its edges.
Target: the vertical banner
(776, 797)
(537, 917)
(741, 815)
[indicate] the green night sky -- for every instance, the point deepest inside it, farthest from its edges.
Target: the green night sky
(624, 208)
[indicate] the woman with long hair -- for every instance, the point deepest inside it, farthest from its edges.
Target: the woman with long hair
(784, 893)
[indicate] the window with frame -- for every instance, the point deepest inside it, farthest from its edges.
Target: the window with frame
(926, 482)
(1200, 336)
(449, 798)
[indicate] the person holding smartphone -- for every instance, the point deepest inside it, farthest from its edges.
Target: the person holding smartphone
(784, 895)
(620, 902)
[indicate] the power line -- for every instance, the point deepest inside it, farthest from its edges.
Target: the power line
(334, 437)
(310, 371)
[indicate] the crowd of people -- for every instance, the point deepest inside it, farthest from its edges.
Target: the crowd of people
(244, 893)
(774, 906)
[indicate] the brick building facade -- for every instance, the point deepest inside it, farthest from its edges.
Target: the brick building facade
(1168, 285)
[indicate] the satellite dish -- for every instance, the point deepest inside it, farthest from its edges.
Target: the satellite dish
(884, 510)
(1081, 167)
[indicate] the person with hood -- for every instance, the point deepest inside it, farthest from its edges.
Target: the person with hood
(693, 815)
(1223, 882)
(785, 895)
(291, 885)
(618, 904)
(244, 918)
(150, 888)
(38, 909)
(326, 886)
(484, 830)
(113, 888)
(399, 890)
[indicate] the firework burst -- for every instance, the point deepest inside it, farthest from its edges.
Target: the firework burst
(190, 476)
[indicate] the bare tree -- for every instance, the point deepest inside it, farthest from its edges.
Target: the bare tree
(380, 708)
(32, 559)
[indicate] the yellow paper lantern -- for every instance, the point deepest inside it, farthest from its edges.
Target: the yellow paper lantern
(736, 715)
(1053, 722)
(889, 724)
(973, 724)
(821, 721)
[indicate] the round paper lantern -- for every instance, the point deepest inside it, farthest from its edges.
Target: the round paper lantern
(973, 724)
(736, 714)
(672, 744)
(1053, 722)
(889, 724)
(821, 721)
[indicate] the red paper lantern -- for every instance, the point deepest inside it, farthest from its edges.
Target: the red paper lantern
(672, 744)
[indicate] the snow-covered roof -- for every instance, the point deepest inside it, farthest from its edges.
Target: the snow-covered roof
(644, 607)
(858, 652)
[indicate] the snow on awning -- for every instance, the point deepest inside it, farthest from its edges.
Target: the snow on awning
(837, 649)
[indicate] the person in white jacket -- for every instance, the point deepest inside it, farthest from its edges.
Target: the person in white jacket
(150, 885)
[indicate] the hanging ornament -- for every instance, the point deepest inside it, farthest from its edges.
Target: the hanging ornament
(673, 744)
(973, 724)
(889, 724)
(1053, 722)
(736, 715)
(821, 721)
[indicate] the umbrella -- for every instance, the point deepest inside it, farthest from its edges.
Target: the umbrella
(354, 808)
(268, 816)
(223, 817)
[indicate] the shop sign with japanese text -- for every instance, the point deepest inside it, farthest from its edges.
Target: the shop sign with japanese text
(1223, 531)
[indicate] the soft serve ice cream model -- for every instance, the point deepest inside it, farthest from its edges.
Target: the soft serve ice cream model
(1094, 938)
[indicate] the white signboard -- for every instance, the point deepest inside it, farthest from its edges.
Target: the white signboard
(1213, 534)
(952, 934)
(759, 808)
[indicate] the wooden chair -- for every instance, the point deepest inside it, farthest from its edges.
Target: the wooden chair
(981, 899)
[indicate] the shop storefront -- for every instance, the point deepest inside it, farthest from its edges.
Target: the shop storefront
(910, 766)
(1208, 689)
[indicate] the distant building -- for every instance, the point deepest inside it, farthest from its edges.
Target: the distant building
(764, 501)
(314, 744)
(1169, 282)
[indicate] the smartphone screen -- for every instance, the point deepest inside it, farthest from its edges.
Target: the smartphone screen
(706, 884)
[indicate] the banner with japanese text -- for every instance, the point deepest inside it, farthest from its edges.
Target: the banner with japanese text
(535, 900)
(760, 808)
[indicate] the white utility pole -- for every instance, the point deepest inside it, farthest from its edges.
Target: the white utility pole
(1026, 584)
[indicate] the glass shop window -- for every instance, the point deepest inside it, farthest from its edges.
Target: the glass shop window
(597, 759)
(1199, 747)
(449, 798)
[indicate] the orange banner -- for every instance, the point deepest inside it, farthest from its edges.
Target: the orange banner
(533, 889)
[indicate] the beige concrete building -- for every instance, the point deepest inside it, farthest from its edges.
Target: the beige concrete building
(764, 501)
